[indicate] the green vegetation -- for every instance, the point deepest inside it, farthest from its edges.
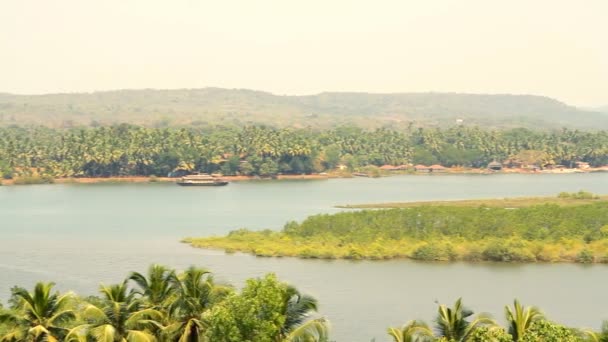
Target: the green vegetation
(238, 107)
(525, 324)
(546, 233)
(165, 306)
(563, 199)
(34, 179)
(581, 195)
(125, 150)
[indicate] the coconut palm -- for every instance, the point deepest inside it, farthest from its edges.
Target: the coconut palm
(195, 292)
(297, 328)
(119, 318)
(155, 289)
(412, 331)
(452, 323)
(520, 318)
(40, 316)
(600, 336)
(314, 330)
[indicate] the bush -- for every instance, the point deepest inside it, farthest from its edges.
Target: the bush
(485, 334)
(434, 252)
(585, 256)
(34, 180)
(546, 331)
(507, 252)
(581, 195)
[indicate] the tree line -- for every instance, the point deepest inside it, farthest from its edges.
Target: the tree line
(524, 324)
(127, 150)
(191, 307)
(164, 305)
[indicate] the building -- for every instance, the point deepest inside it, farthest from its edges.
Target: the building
(422, 168)
(437, 168)
(495, 166)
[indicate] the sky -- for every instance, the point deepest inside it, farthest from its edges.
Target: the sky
(552, 48)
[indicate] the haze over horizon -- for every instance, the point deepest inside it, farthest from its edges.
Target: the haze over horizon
(557, 49)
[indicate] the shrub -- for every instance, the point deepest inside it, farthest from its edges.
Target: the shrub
(548, 332)
(34, 180)
(507, 252)
(585, 256)
(434, 252)
(581, 195)
(485, 334)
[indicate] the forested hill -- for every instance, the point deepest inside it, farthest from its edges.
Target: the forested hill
(161, 108)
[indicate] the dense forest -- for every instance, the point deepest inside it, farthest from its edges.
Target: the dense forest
(238, 107)
(126, 150)
(539, 233)
(166, 306)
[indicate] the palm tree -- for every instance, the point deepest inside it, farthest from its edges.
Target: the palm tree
(119, 318)
(412, 331)
(297, 328)
(156, 288)
(452, 323)
(314, 330)
(520, 318)
(41, 315)
(601, 336)
(195, 293)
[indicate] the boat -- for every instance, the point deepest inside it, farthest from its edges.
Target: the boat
(201, 180)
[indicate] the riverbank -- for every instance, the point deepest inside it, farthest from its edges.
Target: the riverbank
(153, 179)
(536, 233)
(315, 176)
(516, 202)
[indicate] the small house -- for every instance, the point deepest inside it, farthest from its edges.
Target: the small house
(422, 168)
(581, 165)
(495, 166)
(437, 168)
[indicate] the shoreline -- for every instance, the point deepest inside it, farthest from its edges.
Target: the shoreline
(509, 202)
(347, 235)
(314, 176)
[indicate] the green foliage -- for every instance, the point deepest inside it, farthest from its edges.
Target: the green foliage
(521, 319)
(38, 315)
(434, 251)
(253, 315)
(437, 233)
(585, 256)
(39, 154)
(485, 334)
(45, 179)
(582, 195)
(545, 331)
(525, 325)
(165, 306)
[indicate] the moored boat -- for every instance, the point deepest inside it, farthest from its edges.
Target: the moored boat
(201, 180)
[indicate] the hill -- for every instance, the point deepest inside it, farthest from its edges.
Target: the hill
(240, 107)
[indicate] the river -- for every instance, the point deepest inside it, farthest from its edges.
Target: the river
(80, 235)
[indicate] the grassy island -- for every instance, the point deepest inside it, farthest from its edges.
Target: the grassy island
(534, 233)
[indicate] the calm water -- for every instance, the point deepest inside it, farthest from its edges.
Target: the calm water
(81, 235)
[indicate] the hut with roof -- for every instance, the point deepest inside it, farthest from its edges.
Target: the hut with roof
(495, 166)
(422, 168)
(437, 168)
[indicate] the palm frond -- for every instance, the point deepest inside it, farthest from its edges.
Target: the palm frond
(103, 333)
(316, 330)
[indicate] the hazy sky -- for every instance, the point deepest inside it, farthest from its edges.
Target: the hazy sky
(553, 48)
